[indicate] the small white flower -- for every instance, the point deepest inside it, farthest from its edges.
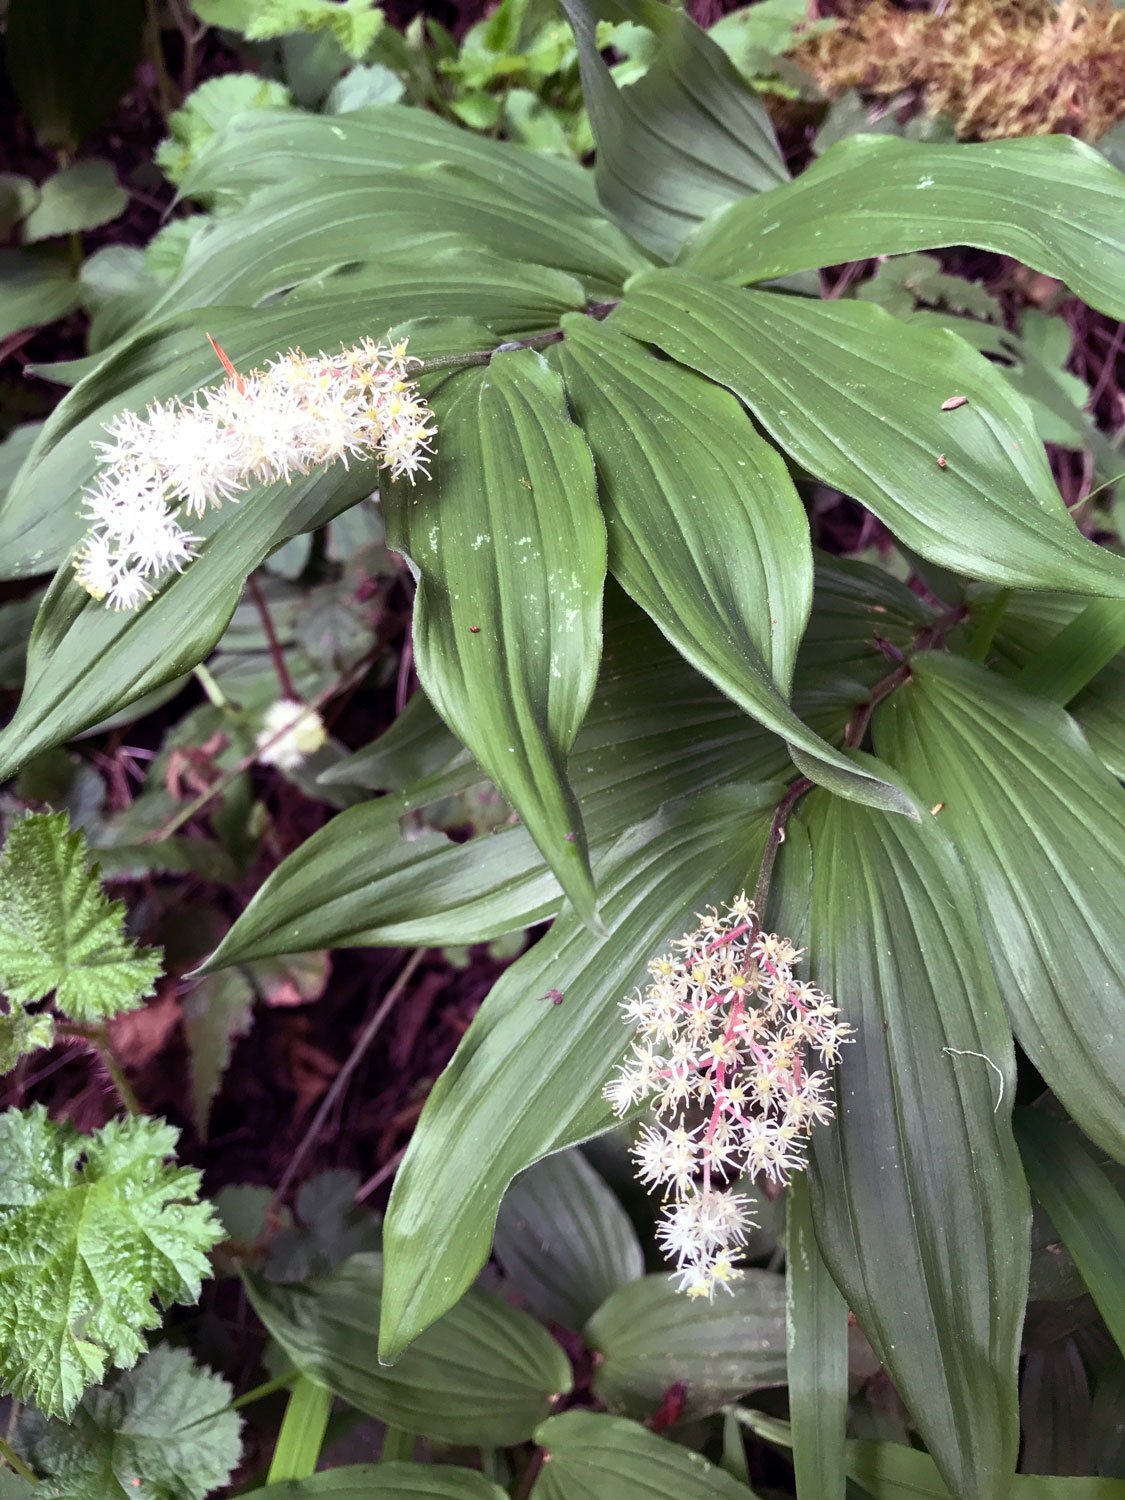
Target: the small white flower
(290, 733)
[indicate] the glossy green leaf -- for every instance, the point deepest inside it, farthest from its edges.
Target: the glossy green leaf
(564, 1240)
(1075, 656)
(686, 138)
(36, 286)
(706, 531)
(592, 1457)
(855, 396)
(817, 1367)
(487, 1373)
(1052, 202)
(389, 1481)
(919, 1203)
(85, 661)
(1085, 1206)
(70, 62)
(655, 730)
(270, 147)
(527, 1079)
(301, 1435)
(508, 547)
(892, 1471)
(651, 1337)
(417, 744)
(1040, 825)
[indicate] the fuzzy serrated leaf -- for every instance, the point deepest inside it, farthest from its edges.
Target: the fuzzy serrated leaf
(354, 24)
(21, 1033)
(159, 1432)
(58, 929)
(92, 1230)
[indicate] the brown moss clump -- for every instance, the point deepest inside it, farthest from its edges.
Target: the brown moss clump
(996, 67)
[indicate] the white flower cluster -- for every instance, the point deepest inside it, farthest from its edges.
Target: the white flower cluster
(181, 457)
(725, 1034)
(290, 733)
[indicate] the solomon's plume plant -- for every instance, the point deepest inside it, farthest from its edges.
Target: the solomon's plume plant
(725, 1032)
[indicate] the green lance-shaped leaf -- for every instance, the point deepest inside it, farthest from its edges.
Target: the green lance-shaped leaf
(1053, 202)
(650, 1337)
(706, 532)
(486, 1373)
(508, 546)
(687, 138)
(1084, 1204)
(593, 1457)
(855, 396)
(86, 661)
(388, 1481)
(527, 1079)
(564, 1240)
(919, 1203)
(92, 1229)
(1040, 826)
(817, 1368)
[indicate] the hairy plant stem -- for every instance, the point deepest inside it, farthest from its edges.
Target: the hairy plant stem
(97, 1039)
(596, 310)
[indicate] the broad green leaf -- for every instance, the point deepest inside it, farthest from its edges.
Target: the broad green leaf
(389, 1481)
(892, 1471)
(92, 1228)
(59, 931)
(527, 1079)
(706, 531)
(36, 287)
(817, 1366)
(275, 147)
(300, 1438)
(651, 1337)
(80, 197)
(919, 1203)
(686, 138)
(1040, 826)
(85, 661)
(592, 1457)
(1084, 1204)
(855, 396)
(564, 1240)
(1055, 1410)
(1075, 656)
(655, 730)
(163, 1431)
(1052, 202)
(417, 744)
(486, 1373)
(508, 547)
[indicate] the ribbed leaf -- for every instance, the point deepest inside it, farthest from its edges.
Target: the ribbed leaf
(1093, 639)
(564, 1240)
(1085, 1206)
(817, 1329)
(855, 396)
(706, 531)
(591, 1457)
(1040, 825)
(1054, 203)
(685, 139)
(527, 1078)
(919, 1203)
(389, 1481)
(86, 661)
(487, 1373)
(508, 546)
(650, 1337)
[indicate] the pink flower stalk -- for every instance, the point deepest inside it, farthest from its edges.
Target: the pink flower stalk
(725, 1034)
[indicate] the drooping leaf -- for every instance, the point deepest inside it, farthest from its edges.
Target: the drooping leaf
(1085, 1206)
(527, 1078)
(650, 1338)
(389, 1481)
(686, 138)
(706, 531)
(919, 1203)
(856, 397)
(486, 1373)
(1052, 202)
(92, 1229)
(1040, 825)
(59, 931)
(564, 1240)
(817, 1364)
(593, 1457)
(508, 546)
(162, 1431)
(79, 197)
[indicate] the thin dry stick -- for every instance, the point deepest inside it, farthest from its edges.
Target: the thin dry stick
(378, 1178)
(340, 1082)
